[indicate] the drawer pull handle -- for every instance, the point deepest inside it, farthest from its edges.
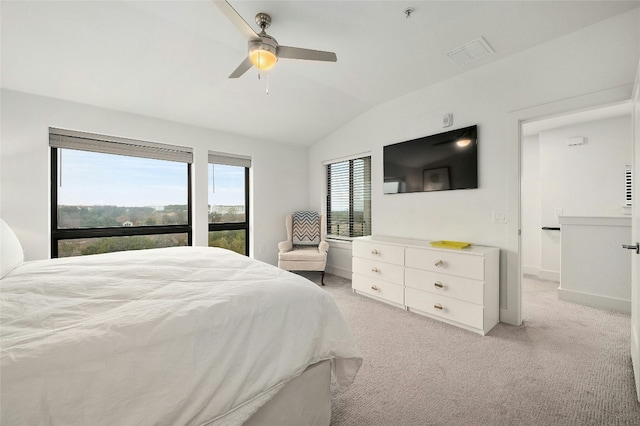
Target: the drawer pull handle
(439, 263)
(374, 251)
(438, 306)
(374, 269)
(438, 284)
(374, 287)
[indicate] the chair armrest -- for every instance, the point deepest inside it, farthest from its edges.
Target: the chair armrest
(285, 246)
(323, 247)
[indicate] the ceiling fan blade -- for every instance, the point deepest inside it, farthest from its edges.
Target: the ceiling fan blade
(236, 19)
(307, 54)
(242, 68)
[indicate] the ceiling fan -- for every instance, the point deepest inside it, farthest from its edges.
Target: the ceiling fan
(264, 50)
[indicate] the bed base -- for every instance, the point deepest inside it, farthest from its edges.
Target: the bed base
(303, 401)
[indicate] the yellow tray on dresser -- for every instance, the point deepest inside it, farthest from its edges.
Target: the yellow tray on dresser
(458, 245)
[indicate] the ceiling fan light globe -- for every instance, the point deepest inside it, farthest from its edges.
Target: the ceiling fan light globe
(263, 52)
(263, 59)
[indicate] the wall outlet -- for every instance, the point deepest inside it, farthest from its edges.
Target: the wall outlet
(499, 217)
(558, 212)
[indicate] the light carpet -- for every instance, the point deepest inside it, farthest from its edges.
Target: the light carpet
(566, 365)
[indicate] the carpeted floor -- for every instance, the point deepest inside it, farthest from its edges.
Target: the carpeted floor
(567, 365)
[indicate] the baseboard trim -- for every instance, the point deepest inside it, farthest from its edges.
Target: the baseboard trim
(508, 317)
(595, 301)
(530, 270)
(549, 275)
(340, 272)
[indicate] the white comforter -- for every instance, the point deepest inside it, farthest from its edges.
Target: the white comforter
(171, 336)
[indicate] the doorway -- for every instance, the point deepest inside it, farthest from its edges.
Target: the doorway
(511, 262)
(572, 166)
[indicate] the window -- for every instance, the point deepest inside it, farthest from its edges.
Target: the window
(229, 202)
(349, 198)
(113, 194)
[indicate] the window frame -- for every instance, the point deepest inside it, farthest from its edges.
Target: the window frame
(351, 213)
(58, 235)
(236, 226)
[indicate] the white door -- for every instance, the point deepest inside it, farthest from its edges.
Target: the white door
(635, 230)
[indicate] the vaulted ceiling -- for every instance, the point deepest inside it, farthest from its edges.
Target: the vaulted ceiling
(172, 59)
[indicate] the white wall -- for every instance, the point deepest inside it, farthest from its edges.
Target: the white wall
(585, 180)
(596, 58)
(279, 172)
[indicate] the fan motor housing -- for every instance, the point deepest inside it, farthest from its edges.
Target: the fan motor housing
(266, 42)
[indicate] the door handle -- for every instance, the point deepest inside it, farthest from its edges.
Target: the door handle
(635, 247)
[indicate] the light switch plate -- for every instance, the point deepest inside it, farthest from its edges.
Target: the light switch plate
(499, 216)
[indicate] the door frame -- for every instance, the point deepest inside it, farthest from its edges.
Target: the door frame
(511, 293)
(635, 227)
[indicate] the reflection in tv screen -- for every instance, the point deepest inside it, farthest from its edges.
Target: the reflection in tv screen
(433, 163)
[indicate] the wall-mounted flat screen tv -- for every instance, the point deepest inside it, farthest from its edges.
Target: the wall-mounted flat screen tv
(433, 163)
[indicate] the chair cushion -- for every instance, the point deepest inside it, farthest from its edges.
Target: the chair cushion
(303, 254)
(306, 228)
(297, 265)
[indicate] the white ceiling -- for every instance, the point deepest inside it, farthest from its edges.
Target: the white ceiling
(171, 59)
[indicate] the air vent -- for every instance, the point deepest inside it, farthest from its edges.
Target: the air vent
(471, 51)
(578, 140)
(628, 185)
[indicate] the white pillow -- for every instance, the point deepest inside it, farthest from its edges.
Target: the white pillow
(11, 254)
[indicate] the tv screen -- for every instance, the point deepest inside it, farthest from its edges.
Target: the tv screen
(433, 163)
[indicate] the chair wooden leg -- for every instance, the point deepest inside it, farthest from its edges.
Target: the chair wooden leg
(322, 278)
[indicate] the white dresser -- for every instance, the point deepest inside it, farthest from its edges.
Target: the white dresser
(460, 287)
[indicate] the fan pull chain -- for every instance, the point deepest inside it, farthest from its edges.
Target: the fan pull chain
(266, 74)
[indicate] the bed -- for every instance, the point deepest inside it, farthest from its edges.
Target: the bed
(172, 336)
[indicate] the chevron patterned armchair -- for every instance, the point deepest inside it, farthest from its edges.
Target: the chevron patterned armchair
(305, 248)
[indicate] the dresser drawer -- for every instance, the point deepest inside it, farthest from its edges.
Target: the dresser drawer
(452, 309)
(459, 288)
(377, 251)
(446, 262)
(375, 287)
(380, 270)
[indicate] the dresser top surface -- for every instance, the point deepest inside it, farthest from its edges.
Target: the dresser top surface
(408, 242)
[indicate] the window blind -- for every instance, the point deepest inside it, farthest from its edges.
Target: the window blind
(628, 186)
(349, 198)
(70, 139)
(229, 159)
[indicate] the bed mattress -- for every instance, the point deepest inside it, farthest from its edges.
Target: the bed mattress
(184, 335)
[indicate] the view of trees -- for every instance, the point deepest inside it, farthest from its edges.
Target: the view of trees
(228, 214)
(108, 216)
(70, 217)
(86, 246)
(232, 240)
